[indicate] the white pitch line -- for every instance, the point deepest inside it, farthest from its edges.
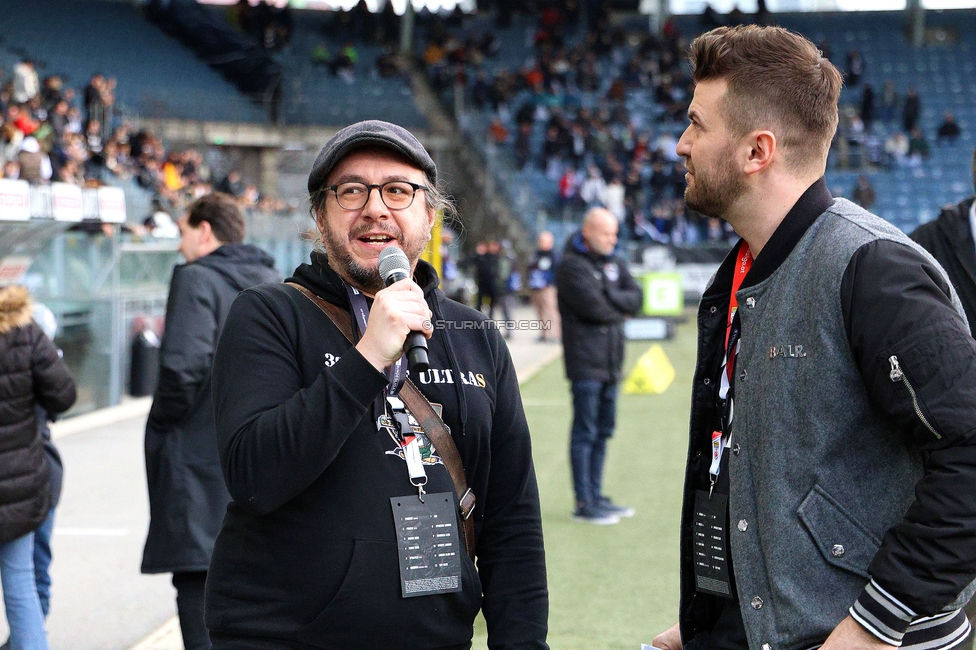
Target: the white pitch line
(92, 532)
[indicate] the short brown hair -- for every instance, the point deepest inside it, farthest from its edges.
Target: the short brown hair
(776, 77)
(221, 212)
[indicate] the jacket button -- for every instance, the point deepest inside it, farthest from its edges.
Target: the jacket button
(837, 550)
(706, 381)
(736, 449)
(743, 525)
(712, 310)
(757, 603)
(742, 374)
(751, 302)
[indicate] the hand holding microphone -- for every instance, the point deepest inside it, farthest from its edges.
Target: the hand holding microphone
(399, 320)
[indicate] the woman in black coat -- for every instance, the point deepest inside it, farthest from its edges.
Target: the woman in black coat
(31, 374)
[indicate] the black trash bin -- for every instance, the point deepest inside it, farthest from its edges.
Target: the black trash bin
(144, 372)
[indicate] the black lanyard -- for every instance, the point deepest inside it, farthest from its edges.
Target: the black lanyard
(396, 373)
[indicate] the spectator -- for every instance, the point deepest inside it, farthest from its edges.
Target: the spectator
(568, 188)
(911, 111)
(45, 318)
(35, 165)
(95, 99)
(918, 148)
(509, 281)
(486, 276)
(864, 194)
(73, 124)
(33, 375)
(51, 91)
(186, 487)
(950, 239)
(25, 81)
(70, 172)
(20, 118)
(595, 294)
(867, 106)
(542, 285)
(949, 130)
(232, 184)
(58, 118)
(11, 169)
(896, 147)
(615, 195)
(855, 68)
(93, 137)
(889, 103)
(594, 188)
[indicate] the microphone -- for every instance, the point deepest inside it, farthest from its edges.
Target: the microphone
(393, 267)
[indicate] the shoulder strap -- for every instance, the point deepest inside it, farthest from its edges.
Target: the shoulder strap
(421, 409)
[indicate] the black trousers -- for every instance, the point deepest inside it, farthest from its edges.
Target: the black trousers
(189, 604)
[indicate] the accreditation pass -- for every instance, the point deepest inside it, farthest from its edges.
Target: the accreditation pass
(428, 544)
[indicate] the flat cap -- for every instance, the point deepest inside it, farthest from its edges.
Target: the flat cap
(374, 133)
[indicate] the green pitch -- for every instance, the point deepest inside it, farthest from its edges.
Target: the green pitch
(613, 586)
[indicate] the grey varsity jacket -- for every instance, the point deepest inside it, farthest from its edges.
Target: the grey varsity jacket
(821, 478)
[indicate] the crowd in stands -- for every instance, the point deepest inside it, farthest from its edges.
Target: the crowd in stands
(883, 132)
(601, 148)
(52, 133)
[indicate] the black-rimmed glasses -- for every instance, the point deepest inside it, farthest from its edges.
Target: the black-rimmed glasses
(396, 195)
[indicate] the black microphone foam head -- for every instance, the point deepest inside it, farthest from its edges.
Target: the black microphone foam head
(393, 260)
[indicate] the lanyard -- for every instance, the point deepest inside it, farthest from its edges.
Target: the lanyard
(396, 376)
(733, 329)
(397, 373)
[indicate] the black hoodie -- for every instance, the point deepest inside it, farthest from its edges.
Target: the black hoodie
(307, 557)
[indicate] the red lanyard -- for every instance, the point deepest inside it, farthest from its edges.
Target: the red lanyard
(742, 265)
(719, 439)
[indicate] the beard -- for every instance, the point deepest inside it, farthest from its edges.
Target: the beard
(715, 191)
(366, 278)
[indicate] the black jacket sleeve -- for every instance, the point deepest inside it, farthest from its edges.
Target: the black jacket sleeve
(54, 387)
(276, 436)
(188, 346)
(918, 362)
(511, 560)
(591, 299)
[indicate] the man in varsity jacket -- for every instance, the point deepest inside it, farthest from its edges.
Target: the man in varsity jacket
(832, 462)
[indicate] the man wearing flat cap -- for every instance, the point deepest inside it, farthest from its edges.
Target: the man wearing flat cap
(353, 522)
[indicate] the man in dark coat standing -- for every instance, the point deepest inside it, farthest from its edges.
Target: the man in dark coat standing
(950, 240)
(187, 495)
(596, 293)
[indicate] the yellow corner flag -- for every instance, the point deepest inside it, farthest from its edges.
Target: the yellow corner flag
(652, 374)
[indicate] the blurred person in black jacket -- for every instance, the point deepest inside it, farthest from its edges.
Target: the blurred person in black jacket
(187, 495)
(32, 374)
(950, 240)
